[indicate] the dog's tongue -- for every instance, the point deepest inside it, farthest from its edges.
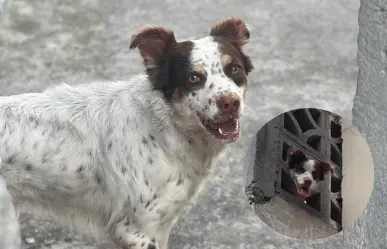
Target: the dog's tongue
(229, 126)
(303, 193)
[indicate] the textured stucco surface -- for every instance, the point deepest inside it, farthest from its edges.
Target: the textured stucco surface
(370, 116)
(304, 52)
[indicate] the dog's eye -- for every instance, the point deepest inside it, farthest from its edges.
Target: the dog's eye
(234, 70)
(194, 79)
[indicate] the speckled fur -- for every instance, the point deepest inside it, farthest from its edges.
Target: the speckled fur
(115, 158)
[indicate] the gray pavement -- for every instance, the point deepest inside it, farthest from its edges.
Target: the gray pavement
(304, 52)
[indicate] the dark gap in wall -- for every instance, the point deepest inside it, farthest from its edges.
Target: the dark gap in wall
(303, 120)
(335, 130)
(316, 114)
(314, 141)
(336, 156)
(289, 125)
(285, 148)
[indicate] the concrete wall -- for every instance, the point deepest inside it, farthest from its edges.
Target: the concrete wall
(290, 220)
(358, 179)
(370, 116)
(358, 174)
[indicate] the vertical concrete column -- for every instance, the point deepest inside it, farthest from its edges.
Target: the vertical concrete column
(370, 117)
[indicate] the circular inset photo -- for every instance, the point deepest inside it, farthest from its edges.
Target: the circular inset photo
(309, 174)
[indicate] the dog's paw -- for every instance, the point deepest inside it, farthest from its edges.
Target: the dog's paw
(145, 241)
(137, 240)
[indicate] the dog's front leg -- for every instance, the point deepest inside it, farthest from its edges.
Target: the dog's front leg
(164, 236)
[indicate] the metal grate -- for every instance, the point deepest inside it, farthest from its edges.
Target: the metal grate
(318, 134)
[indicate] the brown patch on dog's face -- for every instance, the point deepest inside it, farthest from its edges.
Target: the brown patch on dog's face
(199, 69)
(296, 158)
(238, 58)
(167, 62)
(233, 64)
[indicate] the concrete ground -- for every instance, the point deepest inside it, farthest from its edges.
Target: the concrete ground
(304, 52)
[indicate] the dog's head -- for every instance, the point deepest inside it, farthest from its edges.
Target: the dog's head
(204, 80)
(307, 174)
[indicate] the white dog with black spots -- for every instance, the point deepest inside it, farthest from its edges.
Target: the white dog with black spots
(122, 159)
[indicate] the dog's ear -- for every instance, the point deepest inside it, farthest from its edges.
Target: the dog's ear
(295, 156)
(152, 41)
(233, 30)
(325, 168)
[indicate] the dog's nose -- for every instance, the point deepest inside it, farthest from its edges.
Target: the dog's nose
(307, 183)
(228, 103)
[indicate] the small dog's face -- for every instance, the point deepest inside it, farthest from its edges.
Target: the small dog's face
(204, 80)
(307, 174)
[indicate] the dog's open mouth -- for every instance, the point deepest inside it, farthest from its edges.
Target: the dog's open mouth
(303, 191)
(222, 129)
